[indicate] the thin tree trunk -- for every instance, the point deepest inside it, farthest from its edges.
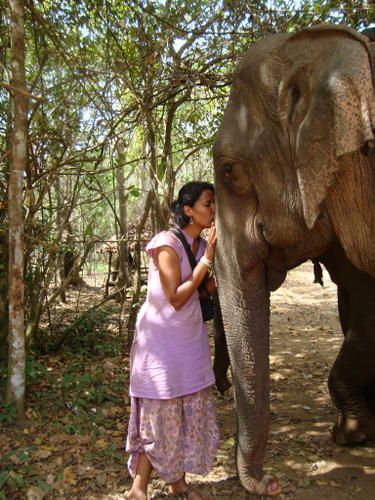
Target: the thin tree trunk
(4, 246)
(137, 270)
(108, 274)
(60, 219)
(16, 365)
(169, 174)
(122, 278)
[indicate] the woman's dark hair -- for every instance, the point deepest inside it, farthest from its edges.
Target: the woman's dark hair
(188, 195)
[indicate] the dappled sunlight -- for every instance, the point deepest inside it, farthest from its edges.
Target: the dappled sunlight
(305, 339)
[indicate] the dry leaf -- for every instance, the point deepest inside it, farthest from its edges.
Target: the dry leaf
(334, 484)
(69, 476)
(35, 493)
(42, 454)
(16, 459)
(229, 443)
(101, 479)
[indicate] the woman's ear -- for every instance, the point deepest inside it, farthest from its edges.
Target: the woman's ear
(187, 210)
(329, 109)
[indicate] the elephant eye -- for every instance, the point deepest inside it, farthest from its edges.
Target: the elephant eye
(235, 176)
(228, 168)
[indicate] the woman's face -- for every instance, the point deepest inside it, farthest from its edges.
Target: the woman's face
(203, 210)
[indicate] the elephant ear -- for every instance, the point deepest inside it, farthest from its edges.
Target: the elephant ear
(327, 105)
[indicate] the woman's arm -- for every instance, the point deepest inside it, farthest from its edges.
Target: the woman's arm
(170, 274)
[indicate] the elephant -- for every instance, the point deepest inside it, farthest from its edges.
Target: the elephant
(294, 169)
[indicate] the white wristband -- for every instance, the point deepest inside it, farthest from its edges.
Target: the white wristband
(205, 261)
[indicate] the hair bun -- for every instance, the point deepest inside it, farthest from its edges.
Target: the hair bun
(175, 206)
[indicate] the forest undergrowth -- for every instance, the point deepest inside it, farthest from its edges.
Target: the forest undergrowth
(76, 409)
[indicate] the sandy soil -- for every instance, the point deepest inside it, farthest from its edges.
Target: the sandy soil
(305, 339)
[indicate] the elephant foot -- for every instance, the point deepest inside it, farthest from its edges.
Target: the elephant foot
(268, 486)
(351, 431)
(343, 437)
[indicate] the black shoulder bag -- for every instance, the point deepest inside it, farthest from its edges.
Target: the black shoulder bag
(207, 304)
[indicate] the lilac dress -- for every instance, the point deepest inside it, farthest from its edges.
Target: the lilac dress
(173, 417)
(170, 355)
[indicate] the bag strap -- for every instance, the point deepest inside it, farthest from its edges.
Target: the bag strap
(180, 235)
(193, 261)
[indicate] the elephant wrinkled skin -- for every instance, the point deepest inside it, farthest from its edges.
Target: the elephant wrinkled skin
(295, 179)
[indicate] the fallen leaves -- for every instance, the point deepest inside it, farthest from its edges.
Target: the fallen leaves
(44, 461)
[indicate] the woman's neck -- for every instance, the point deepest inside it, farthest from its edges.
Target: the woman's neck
(193, 230)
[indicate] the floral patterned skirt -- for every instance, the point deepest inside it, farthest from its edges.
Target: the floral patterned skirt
(178, 435)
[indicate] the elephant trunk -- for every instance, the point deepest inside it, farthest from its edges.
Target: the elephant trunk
(245, 309)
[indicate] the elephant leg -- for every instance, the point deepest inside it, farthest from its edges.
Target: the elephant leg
(343, 307)
(369, 393)
(221, 360)
(352, 379)
(352, 376)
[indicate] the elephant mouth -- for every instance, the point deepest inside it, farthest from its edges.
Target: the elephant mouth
(254, 247)
(272, 257)
(257, 235)
(263, 232)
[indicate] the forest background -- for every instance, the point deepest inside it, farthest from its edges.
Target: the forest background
(106, 108)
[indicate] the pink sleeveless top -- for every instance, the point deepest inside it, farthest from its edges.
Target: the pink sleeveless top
(170, 355)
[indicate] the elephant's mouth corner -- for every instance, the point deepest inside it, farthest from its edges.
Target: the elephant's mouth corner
(263, 253)
(262, 232)
(257, 237)
(255, 248)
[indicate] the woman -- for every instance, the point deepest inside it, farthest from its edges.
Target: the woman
(172, 426)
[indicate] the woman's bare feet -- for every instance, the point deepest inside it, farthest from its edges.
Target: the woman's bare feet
(183, 490)
(136, 494)
(138, 490)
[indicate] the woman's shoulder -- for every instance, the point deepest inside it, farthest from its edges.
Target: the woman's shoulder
(163, 238)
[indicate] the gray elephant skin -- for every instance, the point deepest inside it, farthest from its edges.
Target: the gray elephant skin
(295, 180)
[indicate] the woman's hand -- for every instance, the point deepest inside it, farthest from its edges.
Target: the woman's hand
(211, 243)
(176, 292)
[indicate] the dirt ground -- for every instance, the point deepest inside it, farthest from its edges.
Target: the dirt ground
(69, 452)
(305, 339)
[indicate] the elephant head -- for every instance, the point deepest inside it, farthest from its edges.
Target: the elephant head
(294, 171)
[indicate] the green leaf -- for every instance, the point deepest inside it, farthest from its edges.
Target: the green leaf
(4, 475)
(89, 231)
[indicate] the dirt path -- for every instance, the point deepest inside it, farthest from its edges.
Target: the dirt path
(306, 337)
(78, 411)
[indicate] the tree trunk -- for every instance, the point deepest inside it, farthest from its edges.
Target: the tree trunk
(16, 366)
(3, 289)
(137, 270)
(70, 257)
(60, 222)
(122, 279)
(108, 279)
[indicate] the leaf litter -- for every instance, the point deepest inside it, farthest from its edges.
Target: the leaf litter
(78, 406)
